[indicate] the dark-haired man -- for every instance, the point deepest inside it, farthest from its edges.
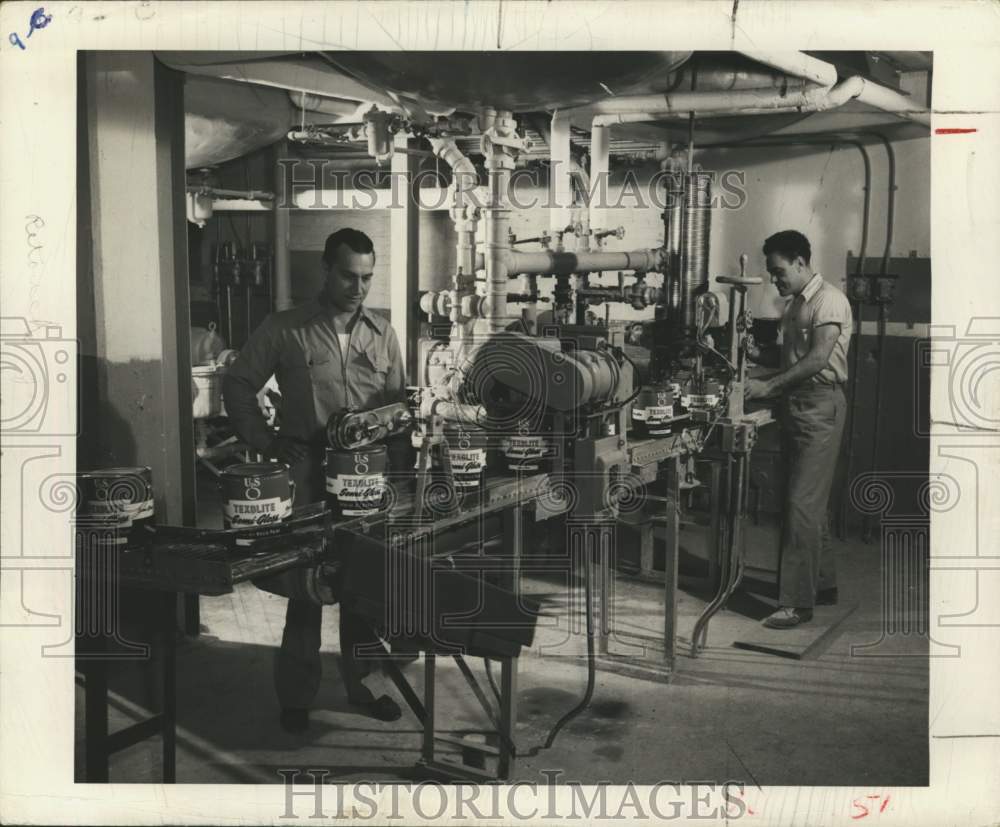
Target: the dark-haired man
(329, 355)
(812, 362)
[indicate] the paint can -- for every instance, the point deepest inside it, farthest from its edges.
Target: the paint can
(524, 451)
(467, 452)
(355, 481)
(117, 504)
(653, 410)
(256, 498)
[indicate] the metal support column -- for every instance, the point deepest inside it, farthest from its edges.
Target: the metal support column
(670, 560)
(404, 251)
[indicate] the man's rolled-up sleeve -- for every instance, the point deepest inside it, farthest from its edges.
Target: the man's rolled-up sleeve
(256, 363)
(832, 308)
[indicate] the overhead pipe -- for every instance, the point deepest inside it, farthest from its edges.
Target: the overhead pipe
(641, 108)
(338, 107)
(825, 74)
(797, 64)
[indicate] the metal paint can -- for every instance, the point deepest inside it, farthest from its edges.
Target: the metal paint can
(256, 498)
(467, 451)
(355, 481)
(653, 409)
(524, 451)
(118, 504)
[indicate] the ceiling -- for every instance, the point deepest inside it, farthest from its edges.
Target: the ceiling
(240, 101)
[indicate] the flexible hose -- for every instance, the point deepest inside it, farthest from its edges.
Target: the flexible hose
(591, 664)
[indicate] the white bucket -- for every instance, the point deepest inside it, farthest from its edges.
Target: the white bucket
(206, 391)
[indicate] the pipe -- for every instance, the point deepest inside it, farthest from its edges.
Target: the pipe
(328, 106)
(825, 74)
(282, 291)
(798, 64)
(641, 108)
(249, 195)
(890, 217)
(578, 175)
(463, 170)
(499, 143)
(821, 139)
(600, 159)
(561, 158)
(566, 263)
(882, 313)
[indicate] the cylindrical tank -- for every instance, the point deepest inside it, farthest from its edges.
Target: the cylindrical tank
(694, 250)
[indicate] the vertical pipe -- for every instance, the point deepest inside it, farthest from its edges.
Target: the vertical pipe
(600, 154)
(499, 164)
(404, 253)
(561, 183)
(282, 291)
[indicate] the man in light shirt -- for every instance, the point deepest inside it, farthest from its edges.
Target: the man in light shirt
(329, 355)
(812, 369)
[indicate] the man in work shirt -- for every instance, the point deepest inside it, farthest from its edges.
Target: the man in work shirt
(816, 334)
(328, 356)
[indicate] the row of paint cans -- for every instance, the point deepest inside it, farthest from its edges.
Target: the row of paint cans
(470, 450)
(355, 481)
(116, 507)
(257, 498)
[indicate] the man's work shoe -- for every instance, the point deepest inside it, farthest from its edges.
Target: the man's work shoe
(383, 708)
(827, 597)
(787, 617)
(295, 720)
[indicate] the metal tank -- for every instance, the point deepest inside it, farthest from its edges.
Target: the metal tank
(518, 81)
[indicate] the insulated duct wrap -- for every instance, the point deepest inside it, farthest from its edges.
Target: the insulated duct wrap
(694, 249)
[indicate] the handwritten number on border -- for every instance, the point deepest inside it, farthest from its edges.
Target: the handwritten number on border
(39, 20)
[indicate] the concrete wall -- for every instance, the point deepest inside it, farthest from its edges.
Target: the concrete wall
(819, 191)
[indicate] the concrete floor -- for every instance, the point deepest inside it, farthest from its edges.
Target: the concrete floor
(727, 715)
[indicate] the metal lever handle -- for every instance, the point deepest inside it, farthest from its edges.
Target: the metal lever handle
(737, 281)
(743, 280)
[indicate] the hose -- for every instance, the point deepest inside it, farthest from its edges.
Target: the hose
(591, 664)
